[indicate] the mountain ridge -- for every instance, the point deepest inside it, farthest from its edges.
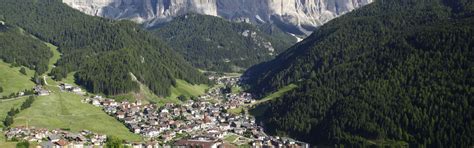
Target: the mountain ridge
(383, 74)
(295, 16)
(216, 44)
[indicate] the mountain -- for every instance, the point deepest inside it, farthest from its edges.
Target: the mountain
(295, 16)
(216, 44)
(103, 53)
(20, 49)
(393, 72)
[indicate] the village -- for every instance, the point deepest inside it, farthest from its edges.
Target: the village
(195, 122)
(191, 123)
(55, 138)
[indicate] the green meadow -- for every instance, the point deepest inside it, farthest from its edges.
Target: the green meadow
(6, 105)
(55, 58)
(66, 111)
(256, 109)
(12, 80)
(186, 89)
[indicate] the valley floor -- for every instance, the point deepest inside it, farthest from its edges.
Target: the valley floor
(208, 118)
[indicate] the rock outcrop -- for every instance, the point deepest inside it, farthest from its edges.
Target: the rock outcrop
(295, 16)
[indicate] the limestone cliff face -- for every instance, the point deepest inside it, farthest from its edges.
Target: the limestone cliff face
(291, 15)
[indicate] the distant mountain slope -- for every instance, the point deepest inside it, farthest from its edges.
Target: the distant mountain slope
(213, 43)
(395, 70)
(103, 52)
(295, 16)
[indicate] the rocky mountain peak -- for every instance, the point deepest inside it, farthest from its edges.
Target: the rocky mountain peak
(295, 16)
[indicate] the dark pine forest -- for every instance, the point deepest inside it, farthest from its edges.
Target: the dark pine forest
(103, 52)
(398, 70)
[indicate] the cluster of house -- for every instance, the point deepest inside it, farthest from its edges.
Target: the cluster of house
(236, 100)
(279, 142)
(269, 142)
(219, 93)
(194, 118)
(41, 91)
(71, 88)
(191, 123)
(55, 138)
(171, 121)
(224, 80)
(221, 79)
(212, 94)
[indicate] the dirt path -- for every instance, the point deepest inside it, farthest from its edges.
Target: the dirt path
(11, 99)
(45, 82)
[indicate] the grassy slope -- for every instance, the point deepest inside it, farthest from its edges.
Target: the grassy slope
(5, 106)
(236, 89)
(12, 80)
(55, 58)
(231, 138)
(64, 110)
(258, 110)
(7, 144)
(146, 95)
(61, 109)
(278, 93)
(186, 89)
(255, 108)
(70, 79)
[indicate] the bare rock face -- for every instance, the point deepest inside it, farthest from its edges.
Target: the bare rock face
(295, 16)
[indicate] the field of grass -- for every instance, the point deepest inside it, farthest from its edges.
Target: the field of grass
(275, 95)
(12, 80)
(70, 79)
(233, 74)
(236, 89)
(7, 144)
(255, 108)
(236, 111)
(5, 106)
(55, 58)
(231, 138)
(279, 93)
(186, 89)
(58, 110)
(65, 110)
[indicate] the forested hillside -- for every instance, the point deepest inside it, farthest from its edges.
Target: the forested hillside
(213, 43)
(103, 52)
(20, 48)
(395, 70)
